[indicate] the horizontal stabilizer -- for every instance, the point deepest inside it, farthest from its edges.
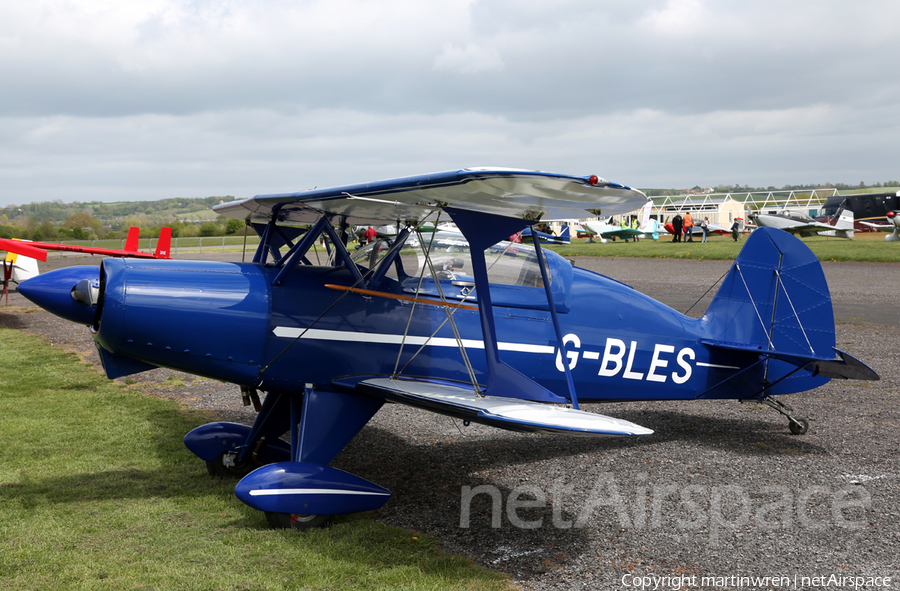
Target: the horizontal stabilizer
(845, 366)
(505, 413)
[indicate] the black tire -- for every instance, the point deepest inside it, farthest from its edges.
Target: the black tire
(296, 521)
(218, 468)
(798, 426)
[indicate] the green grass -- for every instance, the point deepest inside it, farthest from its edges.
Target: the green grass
(97, 491)
(867, 247)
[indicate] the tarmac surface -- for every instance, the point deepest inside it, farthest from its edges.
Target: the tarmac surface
(719, 494)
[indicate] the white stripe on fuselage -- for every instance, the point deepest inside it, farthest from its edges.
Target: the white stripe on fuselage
(396, 339)
(701, 364)
(611, 366)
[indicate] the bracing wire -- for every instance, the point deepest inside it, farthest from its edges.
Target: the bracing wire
(418, 288)
(719, 280)
(320, 316)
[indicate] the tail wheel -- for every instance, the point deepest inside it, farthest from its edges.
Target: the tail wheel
(296, 520)
(798, 425)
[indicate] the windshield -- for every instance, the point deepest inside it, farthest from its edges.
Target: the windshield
(370, 255)
(831, 208)
(797, 216)
(507, 263)
(513, 270)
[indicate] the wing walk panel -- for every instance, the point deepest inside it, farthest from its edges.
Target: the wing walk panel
(505, 413)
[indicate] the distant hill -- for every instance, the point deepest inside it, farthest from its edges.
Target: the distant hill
(48, 220)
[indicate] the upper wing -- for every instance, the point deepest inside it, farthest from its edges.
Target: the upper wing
(525, 194)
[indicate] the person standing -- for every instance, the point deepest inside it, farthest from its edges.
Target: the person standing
(689, 227)
(704, 225)
(677, 225)
(623, 224)
(361, 236)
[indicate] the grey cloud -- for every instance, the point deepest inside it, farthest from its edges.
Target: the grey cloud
(204, 97)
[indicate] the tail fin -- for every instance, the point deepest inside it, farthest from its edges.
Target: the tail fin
(134, 236)
(564, 235)
(845, 220)
(775, 302)
(163, 247)
(843, 225)
(24, 268)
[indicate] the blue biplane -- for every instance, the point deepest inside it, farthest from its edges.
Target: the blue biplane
(528, 235)
(466, 325)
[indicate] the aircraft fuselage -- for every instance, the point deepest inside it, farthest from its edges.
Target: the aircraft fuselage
(226, 321)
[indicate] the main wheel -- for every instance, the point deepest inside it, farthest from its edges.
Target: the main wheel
(227, 466)
(798, 426)
(296, 520)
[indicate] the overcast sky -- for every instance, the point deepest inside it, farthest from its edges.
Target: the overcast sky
(150, 99)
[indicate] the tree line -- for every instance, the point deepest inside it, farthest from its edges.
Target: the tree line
(58, 221)
(193, 217)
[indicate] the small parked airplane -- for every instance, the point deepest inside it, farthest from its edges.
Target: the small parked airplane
(894, 219)
(893, 225)
(796, 222)
(22, 256)
(528, 235)
(486, 331)
(606, 230)
(19, 264)
(163, 246)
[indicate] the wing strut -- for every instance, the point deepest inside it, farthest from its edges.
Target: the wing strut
(545, 277)
(483, 231)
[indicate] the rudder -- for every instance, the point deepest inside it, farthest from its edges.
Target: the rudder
(131, 242)
(164, 245)
(775, 299)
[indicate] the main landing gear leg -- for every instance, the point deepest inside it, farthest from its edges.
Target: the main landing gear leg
(797, 425)
(303, 492)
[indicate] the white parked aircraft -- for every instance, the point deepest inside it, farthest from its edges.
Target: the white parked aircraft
(796, 222)
(606, 229)
(893, 218)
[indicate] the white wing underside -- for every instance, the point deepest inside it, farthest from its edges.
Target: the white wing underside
(507, 413)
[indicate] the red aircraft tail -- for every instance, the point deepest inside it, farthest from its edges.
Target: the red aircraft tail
(165, 242)
(131, 243)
